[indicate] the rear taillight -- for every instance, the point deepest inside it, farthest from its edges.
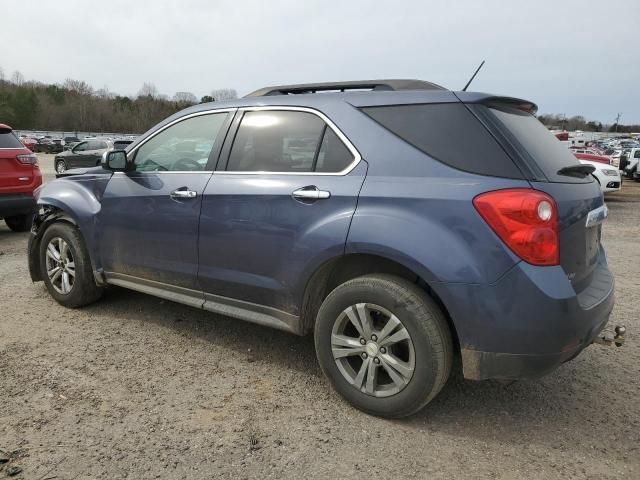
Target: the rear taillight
(526, 220)
(28, 159)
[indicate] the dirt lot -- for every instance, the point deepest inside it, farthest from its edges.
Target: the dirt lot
(136, 387)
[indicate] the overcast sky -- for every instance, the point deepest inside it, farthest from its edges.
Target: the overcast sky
(572, 57)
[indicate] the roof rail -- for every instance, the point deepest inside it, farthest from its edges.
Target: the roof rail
(374, 85)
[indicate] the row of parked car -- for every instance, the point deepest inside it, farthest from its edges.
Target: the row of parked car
(625, 158)
(611, 158)
(71, 152)
(48, 144)
(623, 152)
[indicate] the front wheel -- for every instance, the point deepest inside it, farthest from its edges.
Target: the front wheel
(61, 166)
(384, 344)
(66, 266)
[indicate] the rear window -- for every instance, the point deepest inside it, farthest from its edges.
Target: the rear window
(9, 140)
(538, 143)
(449, 133)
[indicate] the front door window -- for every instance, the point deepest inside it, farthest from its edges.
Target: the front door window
(185, 146)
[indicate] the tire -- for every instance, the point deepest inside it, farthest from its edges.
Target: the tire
(19, 223)
(83, 289)
(61, 166)
(419, 317)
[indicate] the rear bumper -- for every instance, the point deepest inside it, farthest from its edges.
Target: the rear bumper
(16, 204)
(513, 366)
(529, 322)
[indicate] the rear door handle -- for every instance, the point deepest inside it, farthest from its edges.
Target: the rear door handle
(183, 192)
(311, 193)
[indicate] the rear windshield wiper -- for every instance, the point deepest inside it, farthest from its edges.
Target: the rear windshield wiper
(579, 171)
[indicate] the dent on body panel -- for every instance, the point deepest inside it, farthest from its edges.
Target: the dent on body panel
(79, 199)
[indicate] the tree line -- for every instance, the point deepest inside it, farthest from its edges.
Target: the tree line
(578, 122)
(76, 106)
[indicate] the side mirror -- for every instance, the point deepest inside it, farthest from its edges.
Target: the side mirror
(115, 160)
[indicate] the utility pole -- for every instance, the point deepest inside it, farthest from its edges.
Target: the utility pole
(618, 121)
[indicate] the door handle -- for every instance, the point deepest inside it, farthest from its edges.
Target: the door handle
(183, 192)
(311, 193)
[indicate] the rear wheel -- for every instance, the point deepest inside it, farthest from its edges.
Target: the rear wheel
(19, 223)
(384, 344)
(66, 266)
(61, 166)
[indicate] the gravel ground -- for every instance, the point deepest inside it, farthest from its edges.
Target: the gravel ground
(137, 387)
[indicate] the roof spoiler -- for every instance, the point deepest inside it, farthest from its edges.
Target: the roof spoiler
(518, 103)
(497, 101)
(374, 85)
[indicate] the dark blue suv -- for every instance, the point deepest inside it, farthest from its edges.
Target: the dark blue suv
(400, 222)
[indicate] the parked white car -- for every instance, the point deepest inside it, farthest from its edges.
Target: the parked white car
(633, 159)
(607, 176)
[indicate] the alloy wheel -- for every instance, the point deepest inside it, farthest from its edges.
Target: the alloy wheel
(61, 268)
(373, 350)
(61, 167)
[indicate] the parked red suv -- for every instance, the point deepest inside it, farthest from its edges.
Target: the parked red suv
(19, 177)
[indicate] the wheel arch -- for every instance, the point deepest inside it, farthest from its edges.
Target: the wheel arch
(49, 213)
(78, 203)
(341, 269)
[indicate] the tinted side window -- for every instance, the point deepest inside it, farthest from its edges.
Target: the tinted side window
(636, 154)
(81, 147)
(538, 143)
(184, 146)
(334, 156)
(276, 141)
(449, 133)
(9, 140)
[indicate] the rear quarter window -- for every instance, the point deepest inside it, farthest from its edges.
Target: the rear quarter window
(534, 141)
(9, 140)
(450, 133)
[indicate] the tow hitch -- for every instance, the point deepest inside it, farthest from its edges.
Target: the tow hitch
(608, 340)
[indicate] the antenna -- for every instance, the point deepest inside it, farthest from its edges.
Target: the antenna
(473, 76)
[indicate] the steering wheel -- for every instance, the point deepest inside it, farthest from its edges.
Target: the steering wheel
(186, 164)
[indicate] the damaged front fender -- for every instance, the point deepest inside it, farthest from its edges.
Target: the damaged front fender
(76, 200)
